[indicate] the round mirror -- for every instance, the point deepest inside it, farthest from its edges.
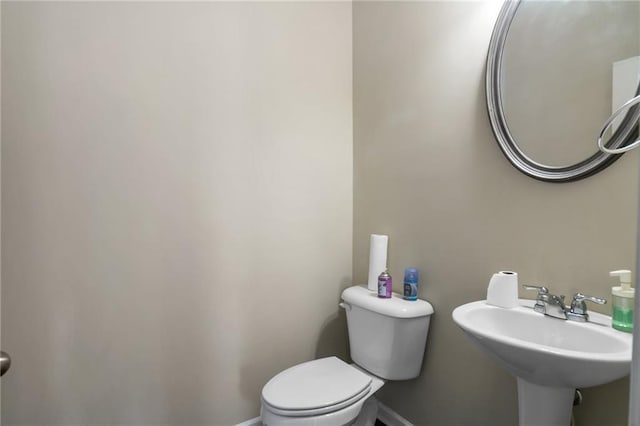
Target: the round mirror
(556, 70)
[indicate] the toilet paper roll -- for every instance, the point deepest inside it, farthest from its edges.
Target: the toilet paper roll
(377, 259)
(503, 289)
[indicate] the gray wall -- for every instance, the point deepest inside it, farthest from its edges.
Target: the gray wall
(427, 171)
(177, 205)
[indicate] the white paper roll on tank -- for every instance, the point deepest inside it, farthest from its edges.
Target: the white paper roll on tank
(377, 259)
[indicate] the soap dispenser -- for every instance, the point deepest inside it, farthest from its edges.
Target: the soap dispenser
(622, 301)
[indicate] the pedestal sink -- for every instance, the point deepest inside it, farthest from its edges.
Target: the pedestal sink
(550, 357)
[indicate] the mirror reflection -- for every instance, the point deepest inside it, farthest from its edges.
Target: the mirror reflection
(562, 61)
(556, 70)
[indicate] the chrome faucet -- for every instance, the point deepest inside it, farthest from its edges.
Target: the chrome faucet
(553, 305)
(547, 303)
(578, 309)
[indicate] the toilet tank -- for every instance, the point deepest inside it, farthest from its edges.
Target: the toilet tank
(387, 337)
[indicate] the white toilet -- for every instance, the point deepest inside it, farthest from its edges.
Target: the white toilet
(387, 338)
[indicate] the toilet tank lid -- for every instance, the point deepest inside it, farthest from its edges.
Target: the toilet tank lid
(395, 307)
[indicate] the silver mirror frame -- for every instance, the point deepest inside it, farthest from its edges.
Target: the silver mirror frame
(626, 133)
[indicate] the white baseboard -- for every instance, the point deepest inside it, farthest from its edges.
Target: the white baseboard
(390, 418)
(385, 414)
(251, 422)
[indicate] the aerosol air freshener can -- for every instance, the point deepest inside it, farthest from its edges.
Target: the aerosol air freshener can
(384, 285)
(410, 284)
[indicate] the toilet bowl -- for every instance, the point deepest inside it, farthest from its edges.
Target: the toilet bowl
(325, 391)
(387, 338)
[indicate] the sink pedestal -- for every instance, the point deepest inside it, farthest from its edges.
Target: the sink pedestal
(544, 405)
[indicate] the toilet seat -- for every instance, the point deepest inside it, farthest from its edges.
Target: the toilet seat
(316, 387)
(317, 411)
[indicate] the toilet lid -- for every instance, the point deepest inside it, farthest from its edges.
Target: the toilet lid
(315, 384)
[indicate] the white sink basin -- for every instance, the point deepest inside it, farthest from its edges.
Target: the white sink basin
(548, 351)
(551, 357)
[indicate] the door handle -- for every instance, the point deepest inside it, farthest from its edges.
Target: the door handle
(5, 362)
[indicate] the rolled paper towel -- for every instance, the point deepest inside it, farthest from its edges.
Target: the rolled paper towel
(377, 259)
(503, 289)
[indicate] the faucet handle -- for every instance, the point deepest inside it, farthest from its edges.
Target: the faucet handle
(540, 289)
(579, 298)
(542, 295)
(578, 309)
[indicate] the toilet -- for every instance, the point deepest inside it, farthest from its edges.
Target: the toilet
(387, 338)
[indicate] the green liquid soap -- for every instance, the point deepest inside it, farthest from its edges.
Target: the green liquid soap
(622, 319)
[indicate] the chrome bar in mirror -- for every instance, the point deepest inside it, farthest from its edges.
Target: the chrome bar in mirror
(5, 362)
(632, 145)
